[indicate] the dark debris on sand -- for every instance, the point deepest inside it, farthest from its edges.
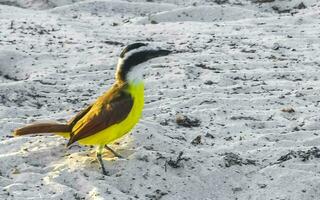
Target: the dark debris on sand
(196, 141)
(177, 162)
(231, 159)
(186, 121)
(306, 155)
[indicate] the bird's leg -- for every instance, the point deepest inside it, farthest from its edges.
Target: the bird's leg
(113, 152)
(99, 157)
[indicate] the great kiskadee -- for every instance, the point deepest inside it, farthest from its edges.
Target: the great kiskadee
(114, 113)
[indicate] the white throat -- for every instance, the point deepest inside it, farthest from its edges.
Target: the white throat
(136, 74)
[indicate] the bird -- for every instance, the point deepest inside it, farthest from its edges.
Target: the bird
(113, 114)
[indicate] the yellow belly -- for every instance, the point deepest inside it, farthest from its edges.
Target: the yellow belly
(116, 131)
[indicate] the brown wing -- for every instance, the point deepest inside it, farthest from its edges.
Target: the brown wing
(109, 109)
(79, 115)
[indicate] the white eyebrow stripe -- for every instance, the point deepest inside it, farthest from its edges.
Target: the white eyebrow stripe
(133, 51)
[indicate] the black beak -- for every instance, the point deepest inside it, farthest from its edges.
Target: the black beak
(156, 53)
(162, 52)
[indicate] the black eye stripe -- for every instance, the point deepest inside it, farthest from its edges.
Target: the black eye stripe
(131, 47)
(137, 58)
(127, 62)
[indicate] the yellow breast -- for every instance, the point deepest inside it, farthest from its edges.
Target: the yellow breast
(116, 131)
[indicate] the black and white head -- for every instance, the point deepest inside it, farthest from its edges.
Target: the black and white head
(131, 65)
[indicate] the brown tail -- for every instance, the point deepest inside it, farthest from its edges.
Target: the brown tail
(42, 128)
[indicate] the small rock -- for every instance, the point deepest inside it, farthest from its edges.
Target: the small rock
(208, 82)
(288, 110)
(196, 141)
(300, 6)
(114, 24)
(248, 50)
(153, 22)
(262, 185)
(276, 46)
(185, 121)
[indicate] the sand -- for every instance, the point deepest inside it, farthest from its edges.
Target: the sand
(233, 113)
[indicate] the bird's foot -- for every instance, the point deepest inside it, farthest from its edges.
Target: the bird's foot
(114, 152)
(104, 171)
